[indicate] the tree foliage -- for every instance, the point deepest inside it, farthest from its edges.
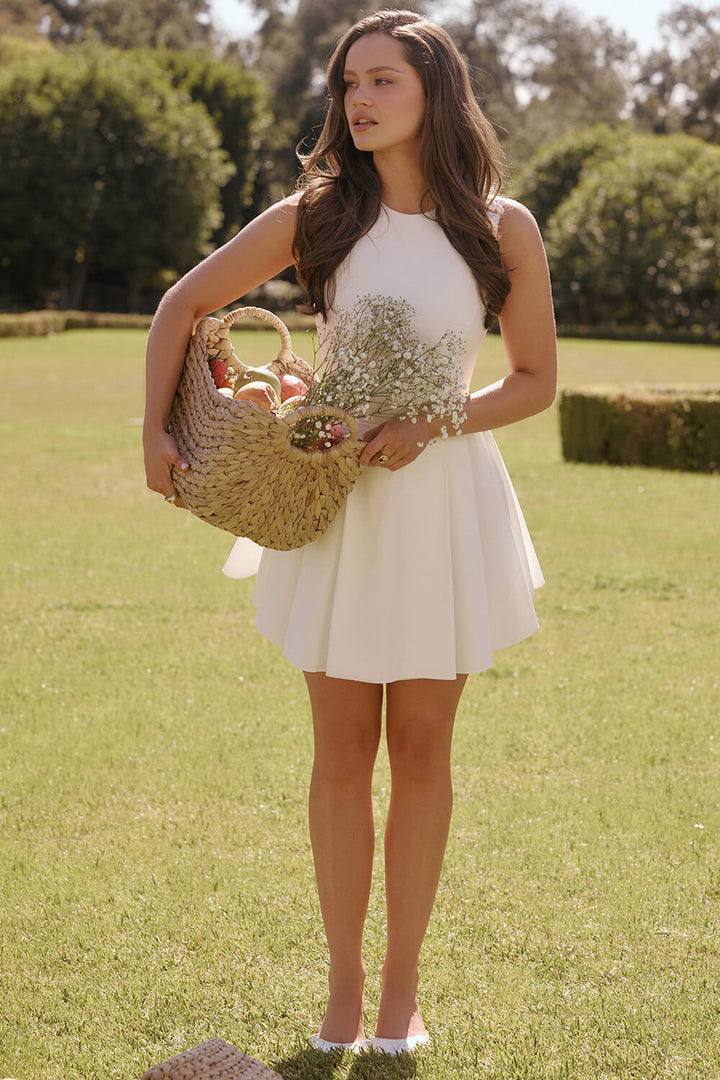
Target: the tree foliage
(107, 172)
(129, 24)
(19, 21)
(636, 241)
(679, 87)
(542, 72)
(552, 174)
(235, 102)
(20, 17)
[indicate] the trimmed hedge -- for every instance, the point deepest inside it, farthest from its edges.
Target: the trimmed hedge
(40, 323)
(664, 429)
(697, 335)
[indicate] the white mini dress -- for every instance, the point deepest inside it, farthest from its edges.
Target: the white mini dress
(426, 571)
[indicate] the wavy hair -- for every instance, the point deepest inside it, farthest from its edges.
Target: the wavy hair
(461, 161)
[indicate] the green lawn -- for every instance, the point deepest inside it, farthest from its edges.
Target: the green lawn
(156, 885)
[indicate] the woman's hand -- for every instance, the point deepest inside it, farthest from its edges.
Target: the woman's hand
(161, 455)
(395, 443)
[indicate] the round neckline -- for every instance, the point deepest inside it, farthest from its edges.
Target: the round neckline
(402, 213)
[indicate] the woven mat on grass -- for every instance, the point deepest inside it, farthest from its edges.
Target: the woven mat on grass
(212, 1060)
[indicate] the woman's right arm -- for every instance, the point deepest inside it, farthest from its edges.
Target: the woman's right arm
(259, 252)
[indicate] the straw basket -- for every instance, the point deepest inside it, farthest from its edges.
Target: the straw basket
(212, 1060)
(245, 475)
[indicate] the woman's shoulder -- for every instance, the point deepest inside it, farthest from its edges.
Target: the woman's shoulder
(512, 215)
(274, 226)
(516, 227)
(285, 209)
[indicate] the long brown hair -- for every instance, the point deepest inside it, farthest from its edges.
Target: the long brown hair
(461, 160)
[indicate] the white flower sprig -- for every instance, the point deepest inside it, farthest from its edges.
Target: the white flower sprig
(376, 366)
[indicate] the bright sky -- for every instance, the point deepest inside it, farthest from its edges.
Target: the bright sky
(638, 18)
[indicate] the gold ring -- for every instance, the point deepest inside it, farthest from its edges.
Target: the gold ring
(383, 459)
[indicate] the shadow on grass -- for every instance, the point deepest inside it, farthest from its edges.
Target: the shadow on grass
(308, 1064)
(382, 1067)
(312, 1064)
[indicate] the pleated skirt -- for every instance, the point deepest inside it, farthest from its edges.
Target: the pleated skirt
(425, 573)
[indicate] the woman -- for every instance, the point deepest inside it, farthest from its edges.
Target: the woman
(429, 567)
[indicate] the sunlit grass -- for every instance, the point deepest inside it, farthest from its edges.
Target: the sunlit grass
(156, 884)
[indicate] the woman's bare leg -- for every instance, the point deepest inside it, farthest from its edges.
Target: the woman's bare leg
(420, 719)
(347, 720)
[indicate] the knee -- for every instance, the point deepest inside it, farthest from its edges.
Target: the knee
(346, 757)
(419, 752)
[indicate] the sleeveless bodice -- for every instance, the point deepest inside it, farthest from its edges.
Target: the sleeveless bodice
(408, 256)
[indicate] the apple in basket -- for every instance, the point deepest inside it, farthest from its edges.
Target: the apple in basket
(221, 376)
(291, 387)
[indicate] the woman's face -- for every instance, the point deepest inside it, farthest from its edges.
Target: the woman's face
(384, 97)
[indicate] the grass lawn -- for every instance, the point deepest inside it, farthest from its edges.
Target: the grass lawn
(156, 885)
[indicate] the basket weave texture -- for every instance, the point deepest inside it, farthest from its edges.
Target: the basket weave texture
(245, 475)
(212, 1060)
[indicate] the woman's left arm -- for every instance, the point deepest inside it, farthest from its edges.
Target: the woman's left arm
(527, 325)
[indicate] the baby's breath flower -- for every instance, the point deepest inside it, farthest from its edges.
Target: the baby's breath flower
(375, 364)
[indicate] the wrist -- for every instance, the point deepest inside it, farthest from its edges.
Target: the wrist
(152, 429)
(442, 427)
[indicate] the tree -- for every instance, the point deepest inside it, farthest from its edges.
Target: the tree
(20, 17)
(579, 76)
(235, 100)
(540, 74)
(679, 87)
(129, 24)
(489, 37)
(107, 172)
(636, 242)
(19, 30)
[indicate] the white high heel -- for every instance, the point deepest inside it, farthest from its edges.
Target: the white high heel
(331, 1047)
(400, 1046)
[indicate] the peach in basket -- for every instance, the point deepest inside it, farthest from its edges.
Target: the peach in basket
(260, 393)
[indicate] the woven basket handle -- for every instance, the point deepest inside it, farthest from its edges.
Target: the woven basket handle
(266, 316)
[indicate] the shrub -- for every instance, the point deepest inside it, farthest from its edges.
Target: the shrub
(108, 172)
(636, 242)
(41, 323)
(554, 172)
(665, 429)
(32, 324)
